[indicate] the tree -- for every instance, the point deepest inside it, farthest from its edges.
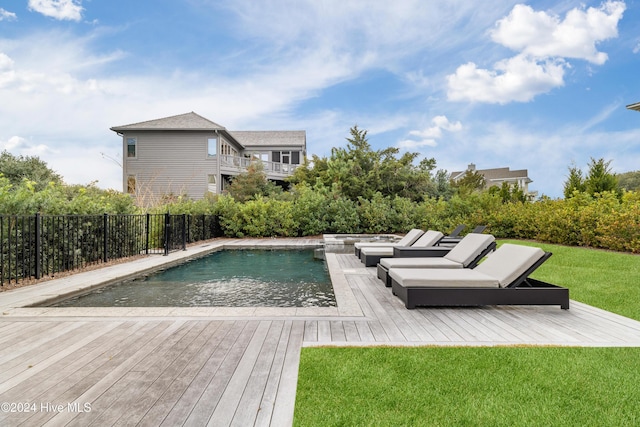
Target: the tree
(18, 168)
(444, 189)
(358, 171)
(470, 181)
(509, 192)
(574, 182)
(600, 178)
(252, 183)
(629, 181)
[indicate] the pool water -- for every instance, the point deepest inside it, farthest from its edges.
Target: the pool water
(229, 278)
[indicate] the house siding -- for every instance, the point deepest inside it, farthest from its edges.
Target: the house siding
(169, 162)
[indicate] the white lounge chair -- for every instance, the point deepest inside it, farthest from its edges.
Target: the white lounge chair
(466, 254)
(503, 278)
(409, 238)
(370, 255)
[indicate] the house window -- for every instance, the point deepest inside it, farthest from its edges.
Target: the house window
(227, 150)
(131, 184)
(211, 184)
(256, 155)
(212, 147)
(286, 157)
(131, 147)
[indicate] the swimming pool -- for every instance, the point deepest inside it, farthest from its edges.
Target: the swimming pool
(227, 278)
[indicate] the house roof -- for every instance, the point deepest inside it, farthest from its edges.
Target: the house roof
(266, 138)
(194, 122)
(635, 106)
(188, 121)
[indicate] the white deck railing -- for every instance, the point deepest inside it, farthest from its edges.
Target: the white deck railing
(242, 163)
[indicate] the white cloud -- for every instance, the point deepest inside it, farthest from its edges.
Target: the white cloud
(7, 75)
(21, 146)
(435, 131)
(5, 15)
(543, 42)
(69, 10)
(515, 79)
(541, 35)
(428, 137)
(409, 144)
(13, 143)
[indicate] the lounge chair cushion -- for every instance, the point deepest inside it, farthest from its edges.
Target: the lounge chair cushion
(500, 269)
(429, 238)
(407, 240)
(509, 262)
(442, 278)
(377, 250)
(469, 248)
(436, 262)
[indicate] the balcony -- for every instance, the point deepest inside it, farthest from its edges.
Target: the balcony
(273, 170)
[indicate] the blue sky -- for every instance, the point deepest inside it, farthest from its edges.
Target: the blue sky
(539, 85)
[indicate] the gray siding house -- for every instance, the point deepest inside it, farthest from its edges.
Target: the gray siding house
(495, 177)
(190, 155)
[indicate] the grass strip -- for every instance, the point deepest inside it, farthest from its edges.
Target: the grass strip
(468, 386)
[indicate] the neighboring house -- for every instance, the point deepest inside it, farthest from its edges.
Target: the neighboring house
(495, 177)
(190, 155)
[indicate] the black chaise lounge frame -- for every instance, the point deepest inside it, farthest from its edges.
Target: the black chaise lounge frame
(522, 291)
(455, 239)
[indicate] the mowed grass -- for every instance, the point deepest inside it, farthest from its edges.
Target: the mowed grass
(489, 386)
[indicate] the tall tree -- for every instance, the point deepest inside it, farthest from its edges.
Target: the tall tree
(252, 183)
(359, 171)
(574, 182)
(17, 168)
(470, 181)
(600, 178)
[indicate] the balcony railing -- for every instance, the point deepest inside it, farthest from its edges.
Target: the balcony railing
(242, 163)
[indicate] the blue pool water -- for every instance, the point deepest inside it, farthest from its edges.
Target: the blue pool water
(229, 278)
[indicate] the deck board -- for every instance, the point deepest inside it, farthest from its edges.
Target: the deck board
(242, 369)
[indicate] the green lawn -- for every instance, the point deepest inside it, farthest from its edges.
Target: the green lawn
(489, 386)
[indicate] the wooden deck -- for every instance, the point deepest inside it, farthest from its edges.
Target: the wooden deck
(235, 369)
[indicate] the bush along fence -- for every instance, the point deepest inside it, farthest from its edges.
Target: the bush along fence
(36, 246)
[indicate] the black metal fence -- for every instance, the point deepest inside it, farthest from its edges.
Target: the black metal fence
(32, 247)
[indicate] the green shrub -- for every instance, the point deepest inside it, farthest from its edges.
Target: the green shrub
(376, 214)
(404, 215)
(308, 210)
(342, 216)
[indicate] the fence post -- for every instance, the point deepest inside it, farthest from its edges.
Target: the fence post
(167, 232)
(105, 238)
(184, 232)
(38, 243)
(146, 238)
